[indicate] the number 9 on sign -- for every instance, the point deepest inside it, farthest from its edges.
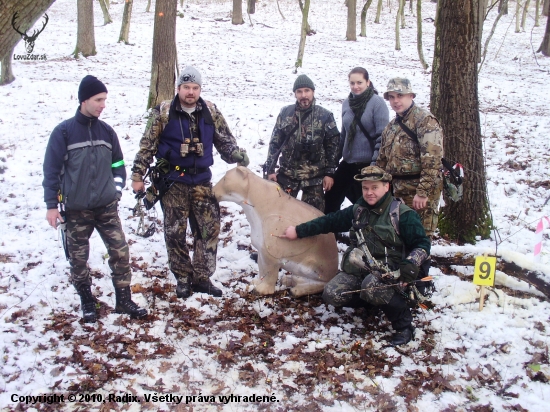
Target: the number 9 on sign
(484, 271)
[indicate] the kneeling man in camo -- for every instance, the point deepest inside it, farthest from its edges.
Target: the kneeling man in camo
(382, 265)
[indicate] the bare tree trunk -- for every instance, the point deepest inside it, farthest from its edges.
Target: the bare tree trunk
(503, 6)
(546, 8)
(351, 32)
(500, 14)
(181, 3)
(148, 8)
(524, 14)
(402, 6)
(251, 7)
(303, 35)
(434, 91)
(105, 9)
(482, 12)
(237, 17)
(378, 12)
(537, 13)
(85, 38)
(545, 45)
(419, 34)
(457, 109)
(518, 8)
(28, 13)
(397, 18)
(364, 18)
(6, 75)
(280, 12)
(308, 29)
(163, 65)
(126, 17)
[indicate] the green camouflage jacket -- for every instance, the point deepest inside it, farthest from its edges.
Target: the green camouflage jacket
(400, 155)
(224, 141)
(311, 152)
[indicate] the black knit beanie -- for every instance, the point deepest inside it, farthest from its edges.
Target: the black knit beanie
(89, 87)
(303, 81)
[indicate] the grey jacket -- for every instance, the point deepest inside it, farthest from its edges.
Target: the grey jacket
(374, 119)
(84, 163)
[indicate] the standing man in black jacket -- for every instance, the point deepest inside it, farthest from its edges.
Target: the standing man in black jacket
(84, 173)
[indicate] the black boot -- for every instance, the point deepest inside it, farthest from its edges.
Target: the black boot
(403, 336)
(183, 289)
(87, 303)
(124, 304)
(206, 286)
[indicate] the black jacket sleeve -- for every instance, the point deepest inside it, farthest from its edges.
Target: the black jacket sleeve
(53, 165)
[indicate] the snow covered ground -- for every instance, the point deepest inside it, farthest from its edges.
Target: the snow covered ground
(296, 354)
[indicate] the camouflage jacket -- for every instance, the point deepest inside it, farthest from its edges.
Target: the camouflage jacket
(411, 233)
(400, 155)
(224, 141)
(311, 152)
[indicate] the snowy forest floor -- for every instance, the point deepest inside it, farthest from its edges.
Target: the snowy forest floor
(299, 354)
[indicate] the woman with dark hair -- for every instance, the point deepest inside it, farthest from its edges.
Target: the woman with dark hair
(364, 117)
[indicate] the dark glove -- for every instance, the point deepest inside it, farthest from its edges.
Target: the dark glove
(240, 157)
(409, 271)
(118, 196)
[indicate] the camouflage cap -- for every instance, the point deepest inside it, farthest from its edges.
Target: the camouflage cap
(399, 85)
(373, 173)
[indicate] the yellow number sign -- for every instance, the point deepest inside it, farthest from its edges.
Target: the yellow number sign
(484, 271)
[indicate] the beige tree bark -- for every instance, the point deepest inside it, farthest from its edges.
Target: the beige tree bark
(518, 10)
(85, 38)
(457, 108)
(419, 34)
(397, 20)
(106, 15)
(524, 14)
(251, 6)
(364, 18)
(303, 35)
(546, 8)
(351, 31)
(308, 29)
(537, 13)
(28, 13)
(402, 19)
(163, 66)
(378, 12)
(503, 6)
(237, 17)
(126, 18)
(148, 8)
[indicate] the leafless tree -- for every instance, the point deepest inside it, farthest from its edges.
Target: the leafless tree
(419, 34)
(28, 13)
(545, 45)
(455, 102)
(303, 35)
(351, 32)
(378, 12)
(85, 37)
(163, 66)
(251, 6)
(126, 17)
(364, 18)
(237, 17)
(106, 15)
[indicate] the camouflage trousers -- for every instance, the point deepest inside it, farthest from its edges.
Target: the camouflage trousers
(392, 304)
(429, 216)
(198, 204)
(80, 225)
(312, 195)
